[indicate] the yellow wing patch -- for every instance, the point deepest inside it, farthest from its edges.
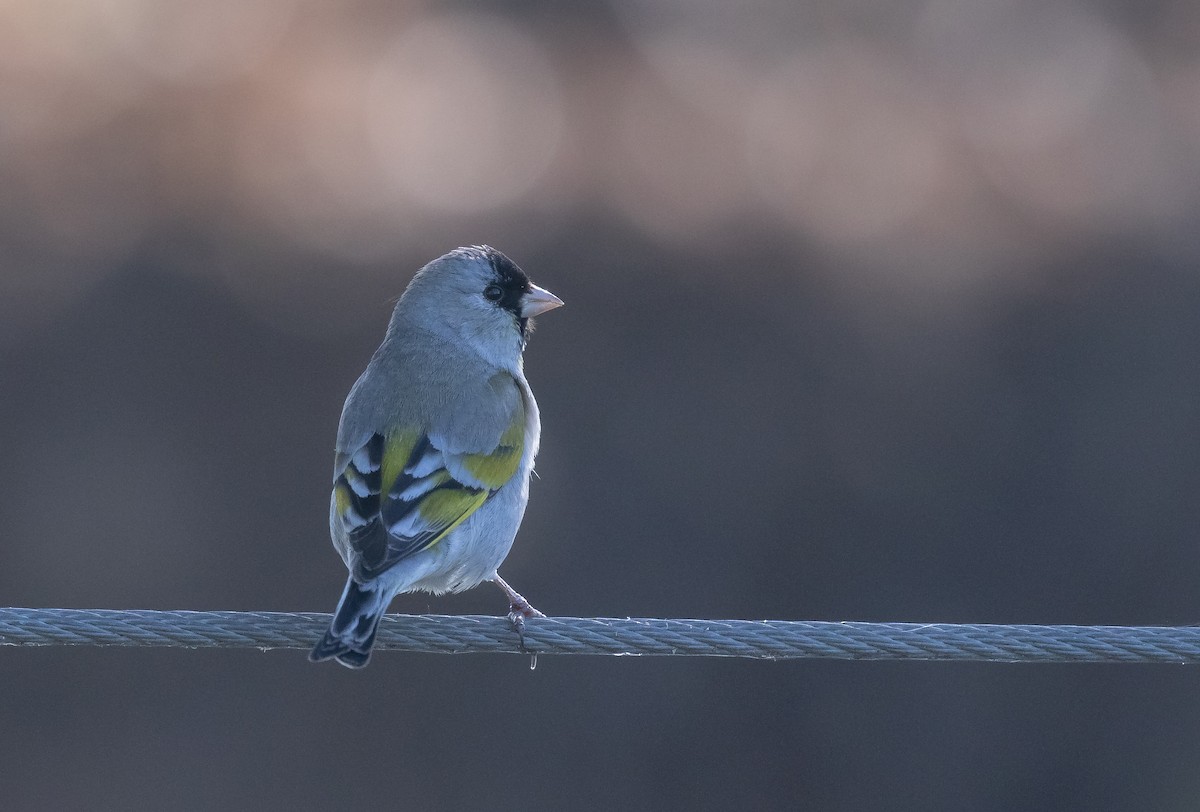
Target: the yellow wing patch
(446, 509)
(341, 497)
(498, 467)
(396, 452)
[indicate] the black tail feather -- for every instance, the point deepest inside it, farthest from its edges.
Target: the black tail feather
(352, 632)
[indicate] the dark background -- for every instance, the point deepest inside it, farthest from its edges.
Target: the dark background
(874, 312)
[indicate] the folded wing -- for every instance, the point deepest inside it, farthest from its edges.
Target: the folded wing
(399, 494)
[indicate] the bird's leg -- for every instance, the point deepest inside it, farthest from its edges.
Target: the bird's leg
(518, 608)
(517, 605)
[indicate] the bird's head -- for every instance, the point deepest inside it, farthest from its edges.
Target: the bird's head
(480, 296)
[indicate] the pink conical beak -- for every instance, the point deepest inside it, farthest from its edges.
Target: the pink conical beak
(537, 301)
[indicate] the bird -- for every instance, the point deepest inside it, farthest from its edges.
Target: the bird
(435, 446)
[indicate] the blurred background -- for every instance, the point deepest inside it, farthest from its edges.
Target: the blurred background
(874, 312)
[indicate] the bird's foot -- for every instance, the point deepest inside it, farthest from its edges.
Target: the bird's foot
(518, 610)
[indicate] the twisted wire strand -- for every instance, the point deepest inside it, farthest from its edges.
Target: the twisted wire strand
(761, 639)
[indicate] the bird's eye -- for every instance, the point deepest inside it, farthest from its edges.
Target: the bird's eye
(493, 293)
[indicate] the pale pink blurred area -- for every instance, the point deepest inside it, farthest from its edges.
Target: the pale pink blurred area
(874, 311)
(959, 143)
